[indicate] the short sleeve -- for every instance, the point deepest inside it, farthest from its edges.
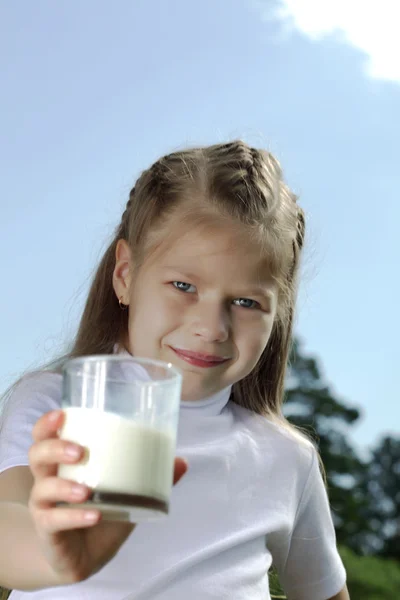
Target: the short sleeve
(313, 569)
(30, 398)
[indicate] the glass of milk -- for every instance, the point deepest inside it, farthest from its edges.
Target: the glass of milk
(124, 411)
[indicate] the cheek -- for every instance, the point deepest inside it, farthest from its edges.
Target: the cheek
(153, 313)
(253, 337)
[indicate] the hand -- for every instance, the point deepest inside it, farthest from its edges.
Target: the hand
(75, 542)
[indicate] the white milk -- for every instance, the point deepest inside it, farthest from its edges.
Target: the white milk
(122, 456)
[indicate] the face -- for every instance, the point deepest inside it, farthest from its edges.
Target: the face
(204, 303)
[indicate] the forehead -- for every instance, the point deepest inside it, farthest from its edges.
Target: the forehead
(224, 248)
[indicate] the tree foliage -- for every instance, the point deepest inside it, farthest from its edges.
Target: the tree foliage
(364, 495)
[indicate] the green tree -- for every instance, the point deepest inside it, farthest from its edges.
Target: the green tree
(382, 484)
(311, 404)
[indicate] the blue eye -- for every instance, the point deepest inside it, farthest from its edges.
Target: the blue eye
(246, 303)
(184, 287)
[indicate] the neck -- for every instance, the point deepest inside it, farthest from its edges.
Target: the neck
(210, 406)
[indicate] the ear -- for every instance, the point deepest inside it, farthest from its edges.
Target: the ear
(122, 275)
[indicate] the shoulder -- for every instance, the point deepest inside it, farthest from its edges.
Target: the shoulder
(38, 387)
(290, 449)
(24, 403)
(39, 382)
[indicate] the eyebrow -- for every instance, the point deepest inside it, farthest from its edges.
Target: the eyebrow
(260, 291)
(182, 272)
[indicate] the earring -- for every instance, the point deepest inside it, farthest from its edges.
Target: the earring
(122, 305)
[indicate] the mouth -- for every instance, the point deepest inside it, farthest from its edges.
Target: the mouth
(198, 359)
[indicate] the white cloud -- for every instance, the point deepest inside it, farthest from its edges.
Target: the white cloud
(371, 26)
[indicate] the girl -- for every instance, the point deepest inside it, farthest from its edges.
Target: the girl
(201, 273)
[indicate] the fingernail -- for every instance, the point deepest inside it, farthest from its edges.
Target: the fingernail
(72, 451)
(78, 491)
(54, 416)
(90, 517)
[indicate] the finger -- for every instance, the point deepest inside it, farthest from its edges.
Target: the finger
(50, 490)
(52, 520)
(181, 466)
(45, 456)
(48, 425)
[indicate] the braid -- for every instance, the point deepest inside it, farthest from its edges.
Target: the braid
(124, 224)
(298, 242)
(264, 174)
(301, 228)
(150, 184)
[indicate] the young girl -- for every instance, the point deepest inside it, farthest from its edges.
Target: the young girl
(201, 273)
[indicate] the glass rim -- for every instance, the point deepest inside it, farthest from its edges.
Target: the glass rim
(167, 366)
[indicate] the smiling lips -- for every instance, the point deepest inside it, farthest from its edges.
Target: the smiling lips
(198, 359)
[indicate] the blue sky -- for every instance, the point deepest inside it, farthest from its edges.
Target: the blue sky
(93, 92)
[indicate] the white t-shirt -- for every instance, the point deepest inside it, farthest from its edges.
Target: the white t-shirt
(253, 495)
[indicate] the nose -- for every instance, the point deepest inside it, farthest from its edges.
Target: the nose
(211, 322)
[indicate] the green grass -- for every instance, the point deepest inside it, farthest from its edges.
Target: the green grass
(368, 577)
